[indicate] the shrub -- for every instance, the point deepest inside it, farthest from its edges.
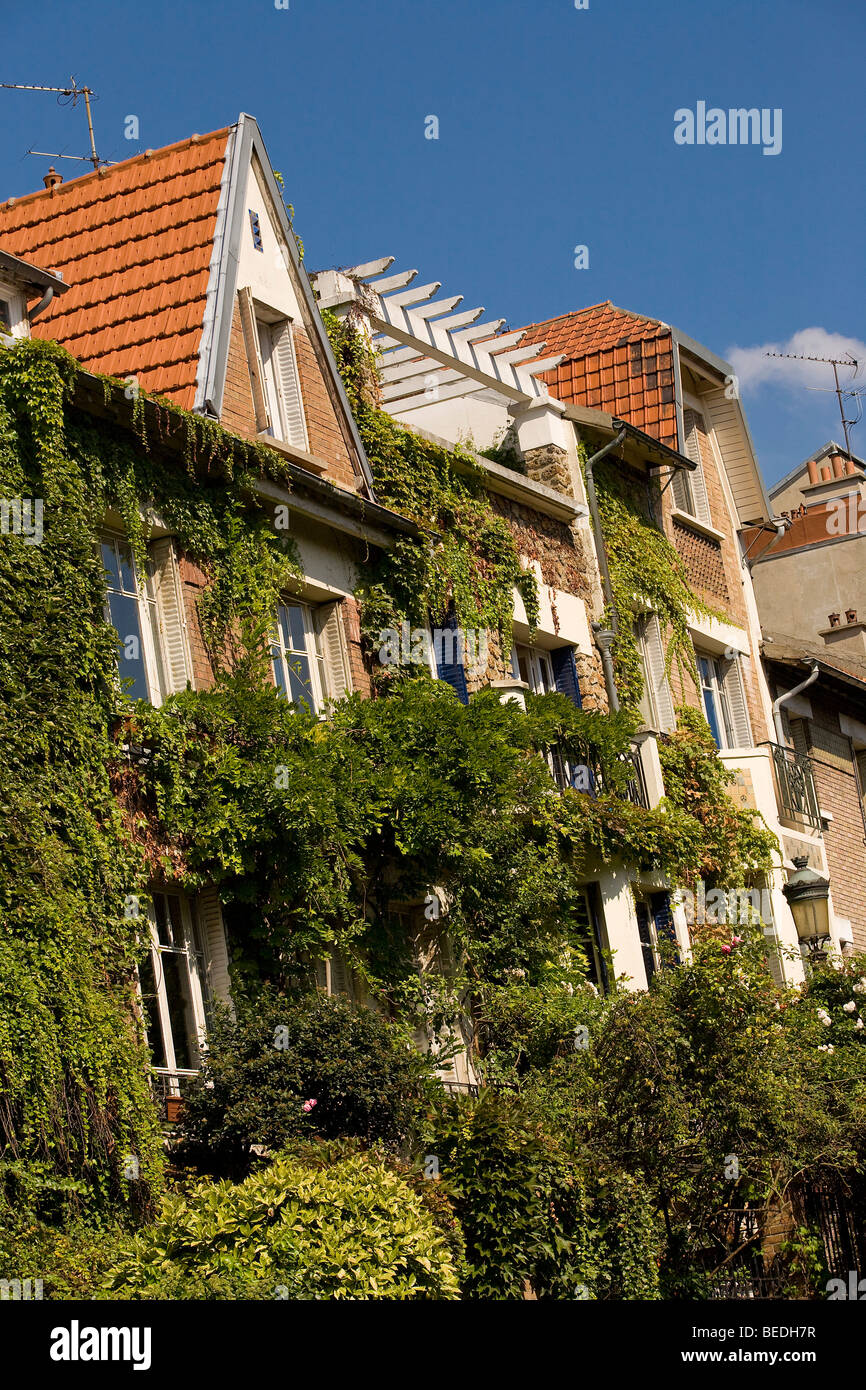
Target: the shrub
(351, 1230)
(367, 1080)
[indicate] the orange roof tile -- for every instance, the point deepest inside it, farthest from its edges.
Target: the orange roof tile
(615, 361)
(134, 243)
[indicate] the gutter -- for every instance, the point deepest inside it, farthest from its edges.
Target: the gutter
(789, 695)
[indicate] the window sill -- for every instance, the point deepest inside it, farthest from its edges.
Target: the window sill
(292, 452)
(702, 527)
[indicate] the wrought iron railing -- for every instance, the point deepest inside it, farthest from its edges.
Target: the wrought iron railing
(171, 1089)
(795, 786)
(588, 776)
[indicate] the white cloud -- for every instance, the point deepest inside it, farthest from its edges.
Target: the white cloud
(754, 368)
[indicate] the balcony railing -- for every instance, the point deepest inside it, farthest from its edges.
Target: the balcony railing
(588, 776)
(795, 787)
(171, 1089)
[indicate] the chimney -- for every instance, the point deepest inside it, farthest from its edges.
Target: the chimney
(813, 471)
(52, 178)
(835, 619)
(826, 474)
(838, 466)
(850, 466)
(851, 615)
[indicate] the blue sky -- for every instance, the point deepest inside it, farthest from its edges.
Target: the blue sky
(555, 130)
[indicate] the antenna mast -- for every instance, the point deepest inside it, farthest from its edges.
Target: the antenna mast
(835, 363)
(73, 92)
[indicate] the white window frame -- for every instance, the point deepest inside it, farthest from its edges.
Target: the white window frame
(18, 326)
(186, 941)
(539, 667)
(150, 618)
(268, 330)
(283, 655)
(715, 686)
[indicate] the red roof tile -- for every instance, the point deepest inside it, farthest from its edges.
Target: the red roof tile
(613, 359)
(134, 243)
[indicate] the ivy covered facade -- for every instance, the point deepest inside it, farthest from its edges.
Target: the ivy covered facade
(305, 690)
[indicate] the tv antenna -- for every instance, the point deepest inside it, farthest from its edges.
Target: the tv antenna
(835, 363)
(71, 93)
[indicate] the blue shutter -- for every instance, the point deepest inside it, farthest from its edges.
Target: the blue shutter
(565, 674)
(453, 671)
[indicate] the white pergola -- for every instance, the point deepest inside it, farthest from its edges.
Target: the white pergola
(427, 351)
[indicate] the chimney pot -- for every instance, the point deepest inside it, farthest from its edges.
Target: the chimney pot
(52, 178)
(813, 471)
(826, 474)
(851, 615)
(835, 619)
(838, 466)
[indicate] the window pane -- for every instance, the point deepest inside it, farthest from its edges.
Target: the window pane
(162, 927)
(279, 671)
(300, 683)
(127, 569)
(177, 988)
(151, 1011)
(130, 658)
(175, 919)
(296, 636)
(109, 560)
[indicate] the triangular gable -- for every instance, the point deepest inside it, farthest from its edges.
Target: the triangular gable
(273, 273)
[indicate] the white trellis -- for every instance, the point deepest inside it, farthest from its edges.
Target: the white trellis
(427, 351)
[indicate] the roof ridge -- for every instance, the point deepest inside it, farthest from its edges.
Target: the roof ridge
(109, 170)
(588, 309)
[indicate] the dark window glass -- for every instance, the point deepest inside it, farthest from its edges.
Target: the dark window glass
(125, 620)
(151, 1011)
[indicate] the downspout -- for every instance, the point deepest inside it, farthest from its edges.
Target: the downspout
(603, 636)
(43, 304)
(789, 695)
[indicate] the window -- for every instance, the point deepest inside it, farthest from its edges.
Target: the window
(5, 316)
(280, 381)
(297, 657)
(335, 977)
(724, 700)
(148, 618)
(534, 667)
(172, 979)
(132, 611)
(589, 925)
(690, 489)
(256, 229)
(655, 925)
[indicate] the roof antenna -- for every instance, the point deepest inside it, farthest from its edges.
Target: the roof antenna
(835, 363)
(71, 93)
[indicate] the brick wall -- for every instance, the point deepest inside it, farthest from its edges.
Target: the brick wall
(238, 412)
(833, 764)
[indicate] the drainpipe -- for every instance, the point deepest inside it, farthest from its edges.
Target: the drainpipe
(43, 304)
(603, 636)
(789, 695)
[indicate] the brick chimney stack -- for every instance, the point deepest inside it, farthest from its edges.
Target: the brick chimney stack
(52, 178)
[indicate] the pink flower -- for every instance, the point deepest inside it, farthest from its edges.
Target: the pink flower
(736, 941)
(308, 1105)
(726, 950)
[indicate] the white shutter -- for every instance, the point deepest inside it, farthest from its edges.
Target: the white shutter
(736, 698)
(332, 644)
(254, 357)
(681, 493)
(176, 659)
(210, 920)
(694, 428)
(289, 386)
(654, 664)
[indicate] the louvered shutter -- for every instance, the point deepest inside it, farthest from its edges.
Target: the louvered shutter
(565, 674)
(695, 432)
(654, 662)
(210, 919)
(289, 386)
(176, 659)
(448, 663)
(254, 357)
(736, 697)
(329, 630)
(798, 737)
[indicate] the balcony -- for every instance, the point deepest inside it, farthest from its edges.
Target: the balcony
(795, 787)
(588, 777)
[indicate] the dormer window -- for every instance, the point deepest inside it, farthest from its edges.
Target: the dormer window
(281, 382)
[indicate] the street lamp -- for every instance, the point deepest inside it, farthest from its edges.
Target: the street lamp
(808, 896)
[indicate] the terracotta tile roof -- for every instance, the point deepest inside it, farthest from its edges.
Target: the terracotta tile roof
(134, 243)
(615, 361)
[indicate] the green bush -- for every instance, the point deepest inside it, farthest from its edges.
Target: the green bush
(351, 1230)
(367, 1080)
